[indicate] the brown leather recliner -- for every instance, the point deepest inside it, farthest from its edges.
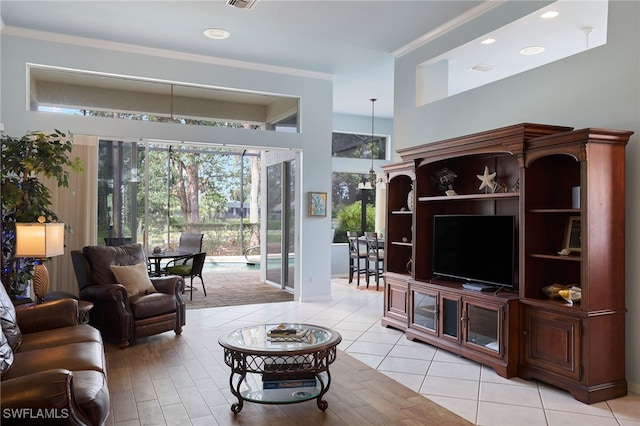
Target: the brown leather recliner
(117, 315)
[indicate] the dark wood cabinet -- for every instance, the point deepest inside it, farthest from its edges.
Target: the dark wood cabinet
(472, 324)
(551, 341)
(396, 301)
(580, 346)
(550, 177)
(398, 243)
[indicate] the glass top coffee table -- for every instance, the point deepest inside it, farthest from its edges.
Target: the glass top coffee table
(279, 363)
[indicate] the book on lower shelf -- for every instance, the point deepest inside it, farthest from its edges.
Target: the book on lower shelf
(287, 384)
(280, 376)
(289, 367)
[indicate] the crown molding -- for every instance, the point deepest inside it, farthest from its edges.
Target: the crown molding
(449, 26)
(162, 53)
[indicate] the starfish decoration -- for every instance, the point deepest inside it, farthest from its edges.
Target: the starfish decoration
(487, 179)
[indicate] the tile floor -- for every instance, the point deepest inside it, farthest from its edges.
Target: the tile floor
(464, 387)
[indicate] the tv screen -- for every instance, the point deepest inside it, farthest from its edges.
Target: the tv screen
(475, 248)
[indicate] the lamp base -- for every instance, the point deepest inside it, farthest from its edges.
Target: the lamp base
(40, 282)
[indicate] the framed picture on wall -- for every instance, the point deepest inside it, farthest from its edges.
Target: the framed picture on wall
(317, 203)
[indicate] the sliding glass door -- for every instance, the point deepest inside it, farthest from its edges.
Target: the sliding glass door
(281, 200)
(150, 193)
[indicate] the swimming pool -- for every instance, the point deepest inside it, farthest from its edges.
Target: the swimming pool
(212, 266)
(238, 266)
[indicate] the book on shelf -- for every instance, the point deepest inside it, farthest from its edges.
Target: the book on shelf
(289, 366)
(282, 376)
(286, 384)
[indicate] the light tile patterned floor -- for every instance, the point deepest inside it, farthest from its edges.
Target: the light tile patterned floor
(464, 387)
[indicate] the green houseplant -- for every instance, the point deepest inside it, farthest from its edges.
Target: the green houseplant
(25, 198)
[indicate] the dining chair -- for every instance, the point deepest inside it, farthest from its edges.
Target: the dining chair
(375, 258)
(117, 241)
(190, 243)
(357, 257)
(191, 267)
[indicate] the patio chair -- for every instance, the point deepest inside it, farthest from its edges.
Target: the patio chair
(190, 267)
(190, 243)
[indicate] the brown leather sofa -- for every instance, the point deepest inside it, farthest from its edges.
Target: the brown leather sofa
(53, 368)
(116, 314)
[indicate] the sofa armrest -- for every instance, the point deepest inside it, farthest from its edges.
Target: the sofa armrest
(25, 397)
(169, 284)
(46, 316)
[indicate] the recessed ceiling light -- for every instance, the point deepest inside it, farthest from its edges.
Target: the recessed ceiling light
(216, 33)
(550, 14)
(488, 41)
(532, 50)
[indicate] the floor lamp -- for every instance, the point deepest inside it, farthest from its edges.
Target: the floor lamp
(40, 241)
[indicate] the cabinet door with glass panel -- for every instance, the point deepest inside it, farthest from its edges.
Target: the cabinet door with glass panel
(425, 309)
(433, 313)
(482, 326)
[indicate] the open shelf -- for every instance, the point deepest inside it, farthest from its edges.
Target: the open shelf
(479, 196)
(570, 258)
(252, 390)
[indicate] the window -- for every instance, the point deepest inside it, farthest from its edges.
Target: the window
(555, 32)
(346, 205)
(77, 92)
(351, 145)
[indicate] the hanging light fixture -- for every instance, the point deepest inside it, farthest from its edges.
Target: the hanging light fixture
(370, 183)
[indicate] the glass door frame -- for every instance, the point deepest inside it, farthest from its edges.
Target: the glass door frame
(287, 192)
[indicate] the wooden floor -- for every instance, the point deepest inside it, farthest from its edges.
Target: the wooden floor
(162, 381)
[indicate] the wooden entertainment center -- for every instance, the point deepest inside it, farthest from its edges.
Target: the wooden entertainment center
(549, 178)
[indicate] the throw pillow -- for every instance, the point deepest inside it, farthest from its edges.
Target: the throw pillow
(135, 278)
(8, 320)
(6, 354)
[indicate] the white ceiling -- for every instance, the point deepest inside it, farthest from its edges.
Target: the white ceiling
(352, 41)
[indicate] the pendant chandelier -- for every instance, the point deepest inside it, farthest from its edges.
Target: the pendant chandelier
(370, 182)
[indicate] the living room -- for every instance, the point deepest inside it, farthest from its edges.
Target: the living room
(598, 88)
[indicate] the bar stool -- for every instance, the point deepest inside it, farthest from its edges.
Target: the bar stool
(375, 258)
(356, 257)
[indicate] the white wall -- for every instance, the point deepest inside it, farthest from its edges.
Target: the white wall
(597, 88)
(314, 91)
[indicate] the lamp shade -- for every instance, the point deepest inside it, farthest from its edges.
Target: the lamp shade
(39, 240)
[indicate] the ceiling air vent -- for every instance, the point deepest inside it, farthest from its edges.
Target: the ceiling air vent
(482, 67)
(241, 4)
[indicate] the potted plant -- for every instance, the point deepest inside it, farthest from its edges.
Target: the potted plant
(25, 197)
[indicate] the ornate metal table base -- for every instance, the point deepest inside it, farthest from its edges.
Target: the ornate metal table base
(286, 360)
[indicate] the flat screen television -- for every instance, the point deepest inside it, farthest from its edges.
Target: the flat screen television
(480, 249)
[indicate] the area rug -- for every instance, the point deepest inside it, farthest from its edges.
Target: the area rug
(231, 289)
